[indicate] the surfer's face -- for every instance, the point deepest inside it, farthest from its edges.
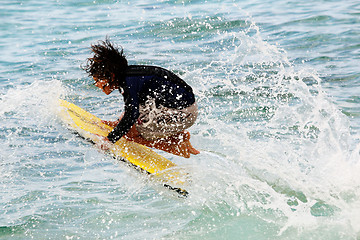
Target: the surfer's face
(104, 85)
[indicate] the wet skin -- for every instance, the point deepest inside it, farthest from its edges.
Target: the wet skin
(105, 86)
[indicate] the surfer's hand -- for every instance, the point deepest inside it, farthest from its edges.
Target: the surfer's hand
(103, 144)
(111, 123)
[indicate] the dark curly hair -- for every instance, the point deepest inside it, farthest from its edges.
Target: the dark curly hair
(107, 60)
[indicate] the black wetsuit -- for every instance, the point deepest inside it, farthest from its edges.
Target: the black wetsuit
(149, 82)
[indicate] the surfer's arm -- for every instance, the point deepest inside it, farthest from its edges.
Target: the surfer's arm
(127, 121)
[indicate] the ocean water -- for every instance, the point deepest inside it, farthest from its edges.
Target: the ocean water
(277, 84)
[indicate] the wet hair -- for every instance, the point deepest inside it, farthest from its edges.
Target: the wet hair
(107, 60)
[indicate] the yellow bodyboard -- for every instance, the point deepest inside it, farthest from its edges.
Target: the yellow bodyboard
(90, 127)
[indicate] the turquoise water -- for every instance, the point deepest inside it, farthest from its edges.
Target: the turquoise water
(278, 86)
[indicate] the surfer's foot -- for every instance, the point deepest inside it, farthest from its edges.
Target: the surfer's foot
(186, 145)
(180, 145)
(192, 150)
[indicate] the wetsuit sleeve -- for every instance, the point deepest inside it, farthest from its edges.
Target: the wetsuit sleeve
(130, 116)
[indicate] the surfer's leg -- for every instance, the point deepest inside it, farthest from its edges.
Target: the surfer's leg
(164, 128)
(182, 139)
(178, 144)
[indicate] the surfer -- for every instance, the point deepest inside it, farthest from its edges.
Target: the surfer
(159, 105)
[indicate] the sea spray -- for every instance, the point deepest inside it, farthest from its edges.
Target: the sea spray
(289, 139)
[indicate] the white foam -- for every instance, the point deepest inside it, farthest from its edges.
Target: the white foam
(32, 100)
(304, 152)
